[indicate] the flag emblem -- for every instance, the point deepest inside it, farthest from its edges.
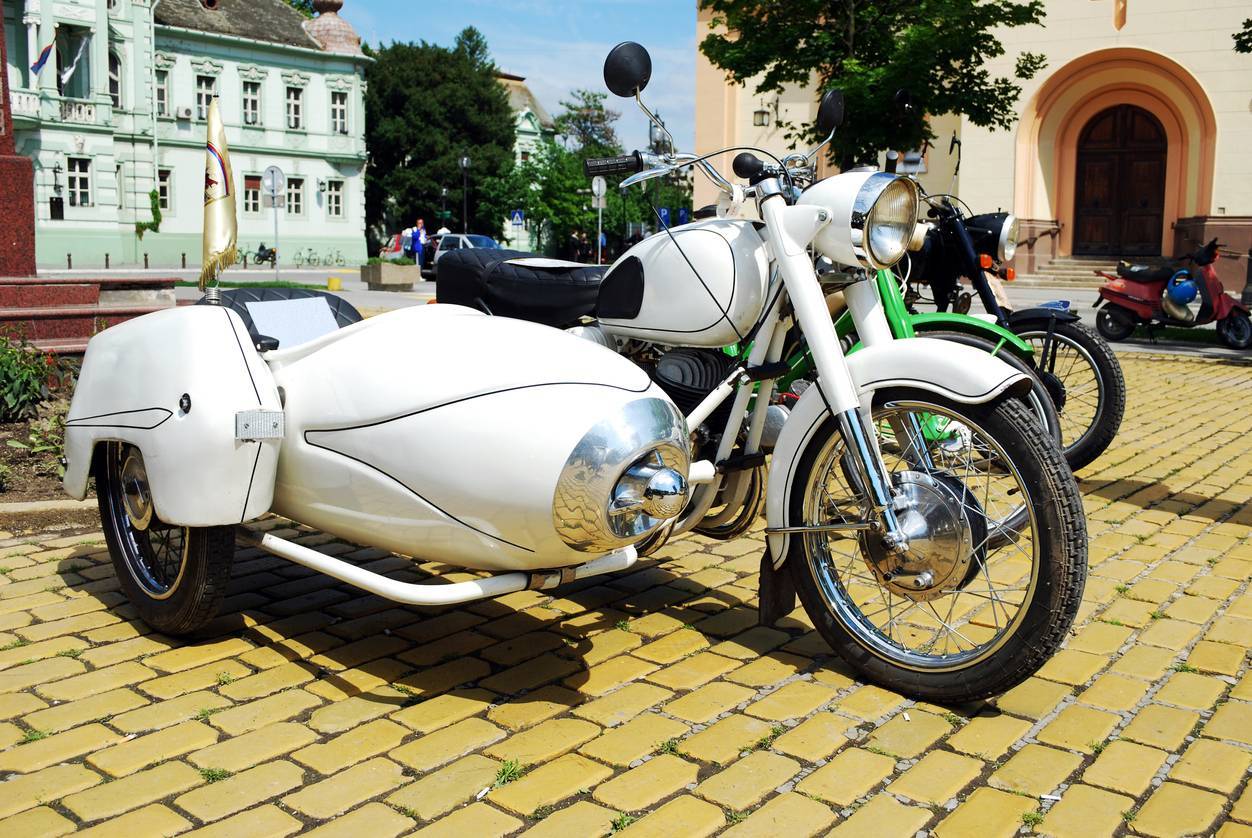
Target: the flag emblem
(42, 59)
(220, 224)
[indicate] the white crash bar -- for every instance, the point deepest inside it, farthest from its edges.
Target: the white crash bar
(414, 593)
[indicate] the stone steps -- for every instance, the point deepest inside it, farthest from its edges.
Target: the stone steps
(59, 314)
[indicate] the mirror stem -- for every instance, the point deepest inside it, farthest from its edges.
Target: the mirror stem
(658, 123)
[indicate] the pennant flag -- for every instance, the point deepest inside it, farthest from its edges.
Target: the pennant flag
(44, 55)
(78, 56)
(221, 227)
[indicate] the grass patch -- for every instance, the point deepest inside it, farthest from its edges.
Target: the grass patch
(70, 653)
(953, 719)
(1184, 667)
(1032, 819)
(1097, 748)
(224, 678)
(733, 817)
(202, 715)
(622, 625)
(543, 811)
(215, 775)
(669, 746)
(767, 741)
(407, 812)
(1112, 622)
(1156, 615)
(1129, 815)
(33, 735)
(1121, 589)
(622, 821)
(507, 773)
(16, 644)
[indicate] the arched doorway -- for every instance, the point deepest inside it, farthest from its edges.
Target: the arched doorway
(1119, 191)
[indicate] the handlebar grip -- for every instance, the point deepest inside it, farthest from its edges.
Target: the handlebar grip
(625, 164)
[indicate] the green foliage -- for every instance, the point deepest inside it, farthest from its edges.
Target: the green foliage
(304, 7)
(509, 771)
(141, 227)
(6, 475)
(426, 107)
(399, 260)
(1243, 38)
(215, 775)
(587, 125)
(44, 441)
(27, 377)
(1032, 819)
(622, 821)
(32, 735)
(936, 49)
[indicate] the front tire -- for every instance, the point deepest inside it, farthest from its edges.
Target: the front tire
(996, 614)
(1090, 389)
(176, 577)
(1235, 330)
(1116, 323)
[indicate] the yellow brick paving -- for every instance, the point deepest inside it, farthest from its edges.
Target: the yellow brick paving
(651, 703)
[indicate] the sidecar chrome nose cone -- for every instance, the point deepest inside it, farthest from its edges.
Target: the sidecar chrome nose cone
(650, 487)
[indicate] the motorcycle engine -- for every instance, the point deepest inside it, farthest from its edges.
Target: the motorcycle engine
(688, 375)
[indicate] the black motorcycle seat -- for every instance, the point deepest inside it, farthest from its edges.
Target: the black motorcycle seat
(237, 300)
(1144, 273)
(524, 286)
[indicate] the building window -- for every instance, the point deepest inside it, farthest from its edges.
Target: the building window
(165, 186)
(79, 181)
(252, 103)
(206, 89)
(334, 199)
(339, 112)
(525, 156)
(295, 196)
(252, 194)
(121, 192)
(295, 108)
(115, 79)
(163, 92)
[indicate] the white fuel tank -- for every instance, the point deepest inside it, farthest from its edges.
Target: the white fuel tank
(702, 284)
(443, 434)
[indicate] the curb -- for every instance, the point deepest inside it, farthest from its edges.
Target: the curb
(46, 506)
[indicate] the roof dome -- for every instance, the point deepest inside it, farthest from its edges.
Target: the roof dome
(331, 31)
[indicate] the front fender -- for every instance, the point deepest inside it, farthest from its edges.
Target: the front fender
(1019, 319)
(963, 323)
(952, 370)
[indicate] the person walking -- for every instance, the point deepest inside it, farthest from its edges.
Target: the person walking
(417, 241)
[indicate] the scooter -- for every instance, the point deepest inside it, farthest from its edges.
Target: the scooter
(1146, 294)
(265, 254)
(542, 456)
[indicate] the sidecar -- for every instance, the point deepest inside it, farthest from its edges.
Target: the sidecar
(435, 432)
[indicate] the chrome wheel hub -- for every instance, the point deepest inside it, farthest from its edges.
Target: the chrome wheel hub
(136, 496)
(938, 536)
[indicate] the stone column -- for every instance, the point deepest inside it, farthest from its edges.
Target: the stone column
(17, 199)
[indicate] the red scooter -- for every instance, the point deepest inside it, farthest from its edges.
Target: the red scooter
(1149, 294)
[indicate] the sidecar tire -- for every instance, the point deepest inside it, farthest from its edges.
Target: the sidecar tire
(194, 598)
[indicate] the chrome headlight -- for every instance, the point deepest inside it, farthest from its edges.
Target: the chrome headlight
(995, 234)
(1007, 247)
(874, 217)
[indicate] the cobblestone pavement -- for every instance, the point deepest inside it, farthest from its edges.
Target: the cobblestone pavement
(651, 702)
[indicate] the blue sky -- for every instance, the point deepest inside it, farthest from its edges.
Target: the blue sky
(559, 45)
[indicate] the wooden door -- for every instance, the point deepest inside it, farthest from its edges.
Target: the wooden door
(1119, 206)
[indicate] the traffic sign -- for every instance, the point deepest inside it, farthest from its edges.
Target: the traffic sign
(518, 218)
(273, 181)
(683, 216)
(598, 186)
(664, 212)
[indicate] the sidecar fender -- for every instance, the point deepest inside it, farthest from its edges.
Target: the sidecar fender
(956, 371)
(171, 383)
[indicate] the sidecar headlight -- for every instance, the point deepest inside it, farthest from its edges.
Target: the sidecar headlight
(873, 216)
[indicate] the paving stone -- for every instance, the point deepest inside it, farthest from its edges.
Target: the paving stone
(788, 814)
(769, 669)
(234, 794)
(1147, 662)
(582, 819)
(368, 740)
(1033, 698)
(187, 657)
(751, 644)
(883, 816)
(1169, 634)
(241, 752)
(372, 819)
(94, 683)
(705, 703)
(1084, 811)
(1100, 638)
(694, 671)
(477, 819)
(1242, 810)
(1125, 767)
(193, 680)
(723, 741)
(348, 712)
(141, 752)
(149, 821)
(533, 708)
(1221, 658)
(686, 815)
(262, 712)
(1114, 692)
(42, 821)
(441, 746)
(816, 738)
(748, 781)
(609, 675)
(850, 775)
(795, 700)
(641, 787)
(544, 742)
(62, 747)
(1174, 810)
(336, 795)
(73, 713)
(133, 791)
(907, 738)
(672, 647)
(936, 778)
(1070, 666)
(446, 788)
(634, 740)
(1213, 765)
(869, 703)
(1233, 721)
(622, 705)
(989, 737)
(1160, 726)
(550, 783)
(1079, 728)
(987, 813)
(262, 822)
(29, 790)
(1035, 770)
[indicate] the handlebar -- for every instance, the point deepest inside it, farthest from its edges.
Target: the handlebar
(626, 164)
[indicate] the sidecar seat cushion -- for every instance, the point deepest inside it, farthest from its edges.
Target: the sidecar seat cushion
(312, 314)
(509, 283)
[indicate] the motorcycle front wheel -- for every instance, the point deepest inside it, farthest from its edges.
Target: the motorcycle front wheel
(175, 577)
(1086, 382)
(958, 616)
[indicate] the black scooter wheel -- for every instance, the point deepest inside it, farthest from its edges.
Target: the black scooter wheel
(1235, 330)
(1115, 322)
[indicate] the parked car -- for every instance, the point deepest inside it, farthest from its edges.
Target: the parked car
(456, 241)
(393, 249)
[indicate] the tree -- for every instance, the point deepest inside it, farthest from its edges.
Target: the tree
(936, 49)
(304, 7)
(426, 107)
(1243, 38)
(587, 125)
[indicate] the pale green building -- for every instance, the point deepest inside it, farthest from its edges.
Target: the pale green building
(291, 94)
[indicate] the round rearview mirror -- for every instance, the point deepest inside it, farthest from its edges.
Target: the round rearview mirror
(830, 111)
(627, 69)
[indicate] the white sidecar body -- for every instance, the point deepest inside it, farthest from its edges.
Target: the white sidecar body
(432, 431)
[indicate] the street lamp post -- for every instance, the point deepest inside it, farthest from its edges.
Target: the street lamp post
(465, 164)
(443, 206)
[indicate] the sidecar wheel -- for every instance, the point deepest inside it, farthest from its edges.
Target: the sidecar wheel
(176, 577)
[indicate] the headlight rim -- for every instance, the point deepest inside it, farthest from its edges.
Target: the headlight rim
(870, 193)
(1006, 244)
